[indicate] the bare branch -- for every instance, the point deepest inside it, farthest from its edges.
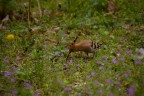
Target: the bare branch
(39, 7)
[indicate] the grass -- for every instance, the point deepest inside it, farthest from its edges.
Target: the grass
(31, 64)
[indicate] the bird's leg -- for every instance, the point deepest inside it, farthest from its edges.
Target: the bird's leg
(93, 55)
(68, 56)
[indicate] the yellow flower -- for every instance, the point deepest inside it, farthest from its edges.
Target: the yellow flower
(10, 36)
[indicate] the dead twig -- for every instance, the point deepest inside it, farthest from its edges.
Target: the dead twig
(39, 7)
(29, 15)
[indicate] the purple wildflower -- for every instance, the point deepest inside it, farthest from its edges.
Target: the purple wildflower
(90, 93)
(128, 71)
(59, 81)
(128, 51)
(101, 67)
(57, 54)
(93, 73)
(86, 88)
(111, 94)
(142, 51)
(96, 83)
(26, 81)
(114, 60)
(79, 94)
(35, 95)
(14, 92)
(6, 60)
(125, 75)
(7, 73)
(12, 79)
(99, 62)
(14, 68)
(106, 58)
(66, 65)
(100, 91)
(116, 75)
(28, 85)
(77, 66)
(108, 81)
(138, 62)
(67, 88)
(37, 92)
(131, 90)
(121, 59)
(89, 76)
(44, 56)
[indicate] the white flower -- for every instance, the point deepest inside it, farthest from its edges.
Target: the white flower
(139, 53)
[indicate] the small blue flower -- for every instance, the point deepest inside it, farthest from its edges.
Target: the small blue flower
(99, 62)
(14, 68)
(114, 60)
(67, 88)
(111, 94)
(93, 73)
(108, 81)
(59, 81)
(100, 91)
(121, 59)
(28, 85)
(14, 92)
(44, 56)
(66, 65)
(6, 60)
(7, 73)
(116, 75)
(106, 58)
(128, 52)
(131, 90)
(138, 62)
(79, 94)
(125, 75)
(101, 67)
(95, 83)
(12, 80)
(89, 76)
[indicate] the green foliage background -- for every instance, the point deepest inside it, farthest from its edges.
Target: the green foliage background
(32, 65)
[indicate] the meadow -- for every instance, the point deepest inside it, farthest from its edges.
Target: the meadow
(33, 62)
